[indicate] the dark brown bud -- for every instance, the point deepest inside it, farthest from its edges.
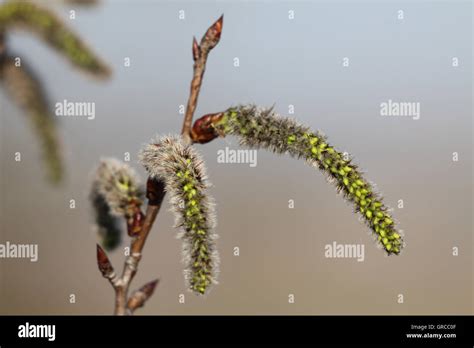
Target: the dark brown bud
(135, 222)
(103, 262)
(203, 130)
(155, 191)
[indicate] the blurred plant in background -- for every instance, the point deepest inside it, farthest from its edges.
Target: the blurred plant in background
(22, 84)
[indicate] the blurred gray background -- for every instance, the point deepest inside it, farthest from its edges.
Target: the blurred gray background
(282, 62)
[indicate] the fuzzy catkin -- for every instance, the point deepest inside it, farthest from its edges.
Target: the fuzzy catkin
(115, 191)
(53, 31)
(263, 128)
(182, 169)
(119, 185)
(27, 92)
(107, 226)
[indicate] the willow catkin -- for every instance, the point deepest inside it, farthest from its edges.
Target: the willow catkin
(107, 225)
(182, 169)
(53, 31)
(115, 192)
(118, 183)
(27, 92)
(263, 128)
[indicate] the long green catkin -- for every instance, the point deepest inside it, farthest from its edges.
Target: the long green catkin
(27, 92)
(53, 31)
(263, 128)
(182, 169)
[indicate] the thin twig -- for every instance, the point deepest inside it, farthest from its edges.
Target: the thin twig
(200, 53)
(125, 305)
(155, 195)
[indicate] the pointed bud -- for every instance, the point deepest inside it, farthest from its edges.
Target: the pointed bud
(103, 262)
(139, 297)
(149, 288)
(213, 34)
(203, 130)
(196, 49)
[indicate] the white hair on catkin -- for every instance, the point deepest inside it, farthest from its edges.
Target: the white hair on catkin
(118, 184)
(181, 167)
(115, 185)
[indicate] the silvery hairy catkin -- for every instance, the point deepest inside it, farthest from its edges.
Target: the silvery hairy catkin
(181, 168)
(119, 185)
(115, 192)
(263, 128)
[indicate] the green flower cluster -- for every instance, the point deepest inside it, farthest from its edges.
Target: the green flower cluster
(262, 128)
(182, 170)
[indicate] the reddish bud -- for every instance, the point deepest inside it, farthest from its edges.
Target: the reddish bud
(149, 288)
(203, 130)
(135, 222)
(103, 262)
(213, 34)
(139, 297)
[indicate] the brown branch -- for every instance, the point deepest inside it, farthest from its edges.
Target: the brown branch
(125, 305)
(200, 53)
(155, 194)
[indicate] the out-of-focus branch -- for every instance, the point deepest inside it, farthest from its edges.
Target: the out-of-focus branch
(25, 89)
(51, 29)
(2, 44)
